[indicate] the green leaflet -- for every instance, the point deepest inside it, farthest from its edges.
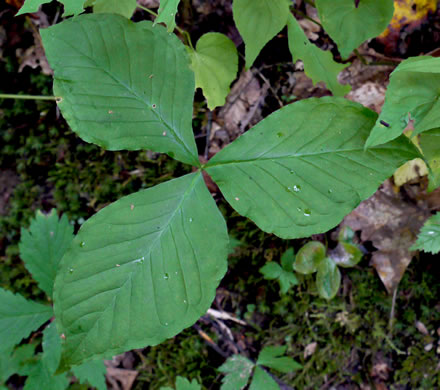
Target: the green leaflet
(349, 26)
(71, 7)
(318, 64)
(286, 279)
(140, 270)
(309, 257)
(121, 7)
(123, 85)
(258, 21)
(43, 246)
(41, 378)
(328, 278)
(237, 370)
(414, 89)
(428, 239)
(262, 381)
(215, 64)
(429, 142)
(184, 384)
(18, 318)
(92, 373)
(273, 357)
(300, 177)
(17, 362)
(167, 14)
(51, 348)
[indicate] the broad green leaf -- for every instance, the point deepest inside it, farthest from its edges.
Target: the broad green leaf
(414, 90)
(51, 348)
(18, 318)
(318, 64)
(123, 85)
(41, 378)
(286, 279)
(71, 7)
(328, 278)
(272, 357)
(350, 25)
(237, 370)
(167, 13)
(215, 64)
(184, 384)
(16, 362)
(121, 7)
(140, 270)
(263, 381)
(303, 168)
(258, 21)
(430, 144)
(308, 257)
(43, 245)
(428, 239)
(92, 373)
(287, 260)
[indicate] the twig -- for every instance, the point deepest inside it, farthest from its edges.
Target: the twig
(224, 316)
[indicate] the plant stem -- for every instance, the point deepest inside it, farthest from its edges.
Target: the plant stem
(27, 97)
(360, 57)
(181, 31)
(303, 15)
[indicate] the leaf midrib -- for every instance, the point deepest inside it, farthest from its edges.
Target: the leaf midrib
(287, 156)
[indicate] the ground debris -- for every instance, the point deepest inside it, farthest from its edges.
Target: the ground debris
(391, 224)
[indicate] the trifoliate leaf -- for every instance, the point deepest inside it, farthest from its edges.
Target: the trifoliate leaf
(273, 271)
(272, 357)
(262, 381)
(18, 318)
(237, 370)
(428, 239)
(215, 64)
(43, 245)
(92, 373)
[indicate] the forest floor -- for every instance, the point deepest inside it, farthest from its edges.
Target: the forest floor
(365, 338)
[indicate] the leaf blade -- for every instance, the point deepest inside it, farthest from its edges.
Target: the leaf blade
(43, 245)
(268, 18)
(349, 24)
(307, 174)
(139, 97)
(215, 64)
(328, 279)
(19, 317)
(158, 263)
(318, 64)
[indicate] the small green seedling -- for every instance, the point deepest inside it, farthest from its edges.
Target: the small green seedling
(41, 248)
(284, 273)
(238, 370)
(312, 258)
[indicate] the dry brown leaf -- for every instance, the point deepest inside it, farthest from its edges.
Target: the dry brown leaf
(121, 379)
(392, 225)
(242, 109)
(310, 349)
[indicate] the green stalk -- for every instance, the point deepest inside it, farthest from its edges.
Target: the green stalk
(28, 97)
